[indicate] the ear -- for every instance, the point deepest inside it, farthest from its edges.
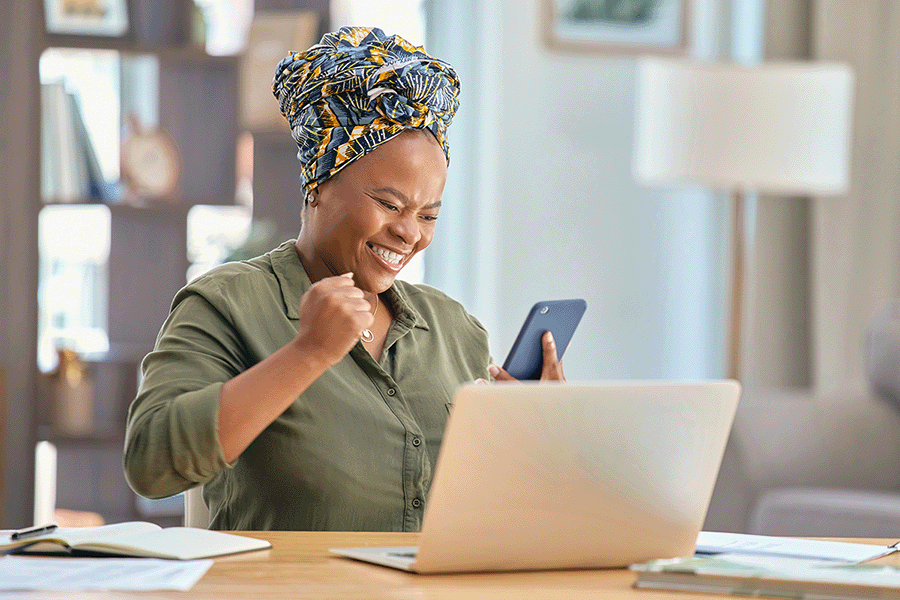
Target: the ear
(312, 199)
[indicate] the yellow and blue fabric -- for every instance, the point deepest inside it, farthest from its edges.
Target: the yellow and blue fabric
(356, 89)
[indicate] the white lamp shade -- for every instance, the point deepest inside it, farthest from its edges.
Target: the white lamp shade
(780, 128)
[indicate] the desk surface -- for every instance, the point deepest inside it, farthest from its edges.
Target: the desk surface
(300, 566)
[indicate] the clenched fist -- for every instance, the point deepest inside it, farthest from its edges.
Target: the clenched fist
(333, 313)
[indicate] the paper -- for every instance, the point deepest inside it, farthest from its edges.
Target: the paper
(144, 574)
(779, 568)
(713, 542)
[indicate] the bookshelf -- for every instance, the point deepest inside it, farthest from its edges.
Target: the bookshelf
(197, 103)
(173, 86)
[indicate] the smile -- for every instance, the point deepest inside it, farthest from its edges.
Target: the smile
(388, 255)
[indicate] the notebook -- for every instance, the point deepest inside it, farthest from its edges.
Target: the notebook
(535, 475)
(135, 538)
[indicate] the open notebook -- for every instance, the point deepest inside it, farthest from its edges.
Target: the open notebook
(135, 538)
(566, 475)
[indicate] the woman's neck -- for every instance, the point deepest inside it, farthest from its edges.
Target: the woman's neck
(315, 268)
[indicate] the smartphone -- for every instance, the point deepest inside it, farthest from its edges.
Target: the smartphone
(560, 317)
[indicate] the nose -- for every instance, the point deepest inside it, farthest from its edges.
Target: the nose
(406, 228)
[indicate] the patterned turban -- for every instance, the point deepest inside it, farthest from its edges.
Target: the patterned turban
(356, 89)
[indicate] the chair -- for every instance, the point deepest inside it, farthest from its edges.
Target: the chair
(819, 464)
(196, 513)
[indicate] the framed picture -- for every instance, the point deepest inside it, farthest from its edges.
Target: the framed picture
(628, 26)
(87, 17)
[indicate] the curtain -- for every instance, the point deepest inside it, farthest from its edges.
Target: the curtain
(855, 253)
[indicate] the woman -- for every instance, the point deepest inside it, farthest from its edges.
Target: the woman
(306, 388)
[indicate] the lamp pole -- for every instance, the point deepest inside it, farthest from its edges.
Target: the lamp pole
(738, 249)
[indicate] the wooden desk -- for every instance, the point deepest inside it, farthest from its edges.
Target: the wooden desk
(300, 566)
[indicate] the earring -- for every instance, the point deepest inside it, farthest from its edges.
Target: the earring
(312, 199)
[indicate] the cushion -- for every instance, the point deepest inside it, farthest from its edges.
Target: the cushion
(882, 352)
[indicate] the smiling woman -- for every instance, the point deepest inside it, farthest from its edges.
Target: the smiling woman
(373, 217)
(309, 388)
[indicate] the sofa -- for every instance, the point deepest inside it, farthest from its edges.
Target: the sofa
(803, 463)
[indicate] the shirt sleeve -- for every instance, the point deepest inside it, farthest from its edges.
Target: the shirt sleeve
(171, 440)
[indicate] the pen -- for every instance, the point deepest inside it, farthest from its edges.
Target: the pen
(32, 531)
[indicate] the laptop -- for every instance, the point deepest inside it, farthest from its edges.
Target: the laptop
(536, 475)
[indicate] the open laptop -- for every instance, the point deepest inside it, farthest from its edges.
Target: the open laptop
(569, 475)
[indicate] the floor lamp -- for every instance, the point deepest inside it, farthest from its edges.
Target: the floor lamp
(773, 128)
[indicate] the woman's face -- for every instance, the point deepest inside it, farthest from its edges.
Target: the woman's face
(376, 213)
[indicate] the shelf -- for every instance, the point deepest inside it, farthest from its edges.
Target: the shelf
(119, 354)
(189, 53)
(179, 206)
(102, 437)
(86, 42)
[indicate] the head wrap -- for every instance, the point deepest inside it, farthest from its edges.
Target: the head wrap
(356, 89)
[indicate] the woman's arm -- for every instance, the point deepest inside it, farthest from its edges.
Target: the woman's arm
(200, 406)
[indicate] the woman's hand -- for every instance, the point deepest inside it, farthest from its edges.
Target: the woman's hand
(551, 371)
(333, 313)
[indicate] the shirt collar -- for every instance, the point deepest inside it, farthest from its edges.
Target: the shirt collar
(294, 282)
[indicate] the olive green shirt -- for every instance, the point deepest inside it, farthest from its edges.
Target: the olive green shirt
(355, 451)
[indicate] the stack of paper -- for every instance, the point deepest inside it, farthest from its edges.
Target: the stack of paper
(22, 573)
(755, 575)
(756, 565)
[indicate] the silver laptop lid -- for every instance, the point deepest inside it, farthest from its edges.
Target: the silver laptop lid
(551, 475)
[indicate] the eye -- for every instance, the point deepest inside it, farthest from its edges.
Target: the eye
(388, 205)
(430, 218)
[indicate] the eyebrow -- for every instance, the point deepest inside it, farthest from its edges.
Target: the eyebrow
(402, 197)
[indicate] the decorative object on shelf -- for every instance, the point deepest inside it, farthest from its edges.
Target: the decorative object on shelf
(271, 37)
(87, 17)
(198, 26)
(624, 26)
(72, 394)
(151, 164)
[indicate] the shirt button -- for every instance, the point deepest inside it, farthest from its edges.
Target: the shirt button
(391, 391)
(417, 442)
(416, 503)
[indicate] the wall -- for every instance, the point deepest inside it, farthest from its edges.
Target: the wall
(547, 208)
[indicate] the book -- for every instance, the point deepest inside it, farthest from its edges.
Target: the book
(70, 168)
(772, 576)
(92, 182)
(135, 539)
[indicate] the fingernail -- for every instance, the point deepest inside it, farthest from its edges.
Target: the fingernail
(550, 337)
(494, 370)
(349, 275)
(481, 381)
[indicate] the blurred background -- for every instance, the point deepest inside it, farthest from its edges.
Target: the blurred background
(141, 145)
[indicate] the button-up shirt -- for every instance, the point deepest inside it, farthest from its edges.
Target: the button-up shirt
(355, 451)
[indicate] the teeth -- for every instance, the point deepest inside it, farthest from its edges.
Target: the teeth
(391, 257)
